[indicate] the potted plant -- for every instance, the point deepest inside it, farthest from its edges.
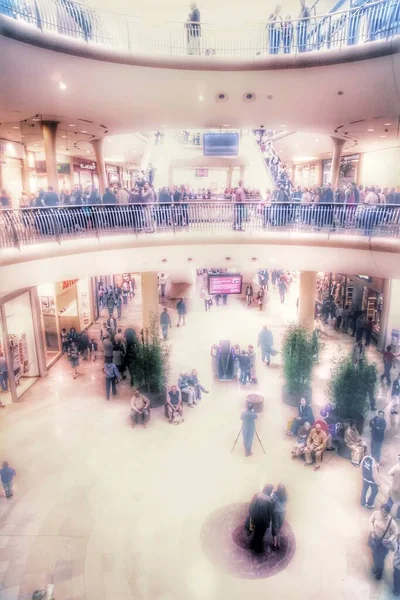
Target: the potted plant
(349, 388)
(300, 352)
(150, 368)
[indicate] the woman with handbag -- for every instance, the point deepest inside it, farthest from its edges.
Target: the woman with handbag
(381, 538)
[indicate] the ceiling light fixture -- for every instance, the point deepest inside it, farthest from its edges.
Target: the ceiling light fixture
(383, 136)
(84, 131)
(36, 119)
(369, 129)
(63, 136)
(387, 124)
(201, 98)
(72, 125)
(15, 127)
(62, 85)
(317, 140)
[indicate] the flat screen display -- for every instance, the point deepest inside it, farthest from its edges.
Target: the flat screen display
(224, 284)
(201, 172)
(221, 144)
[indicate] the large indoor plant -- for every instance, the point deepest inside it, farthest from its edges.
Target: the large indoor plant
(150, 368)
(349, 387)
(300, 352)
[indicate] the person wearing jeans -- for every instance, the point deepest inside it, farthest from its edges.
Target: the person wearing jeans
(112, 374)
(370, 480)
(3, 373)
(388, 361)
(165, 322)
(378, 426)
(187, 389)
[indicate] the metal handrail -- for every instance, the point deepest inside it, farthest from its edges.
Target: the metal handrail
(35, 225)
(372, 21)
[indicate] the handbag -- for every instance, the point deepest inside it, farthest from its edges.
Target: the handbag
(373, 542)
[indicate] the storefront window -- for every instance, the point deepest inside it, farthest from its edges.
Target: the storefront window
(18, 315)
(5, 393)
(49, 321)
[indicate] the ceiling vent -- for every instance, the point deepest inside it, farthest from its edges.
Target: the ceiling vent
(249, 97)
(221, 97)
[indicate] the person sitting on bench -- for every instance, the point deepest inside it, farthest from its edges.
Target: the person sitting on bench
(173, 403)
(355, 444)
(301, 442)
(305, 414)
(140, 409)
(187, 390)
(193, 380)
(316, 443)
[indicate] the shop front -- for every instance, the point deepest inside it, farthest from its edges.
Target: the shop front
(63, 170)
(307, 175)
(348, 173)
(20, 344)
(64, 304)
(11, 156)
(85, 173)
(113, 175)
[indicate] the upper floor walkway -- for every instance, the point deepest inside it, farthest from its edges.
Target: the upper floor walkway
(102, 31)
(51, 244)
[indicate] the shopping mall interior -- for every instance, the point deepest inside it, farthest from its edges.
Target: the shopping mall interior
(199, 297)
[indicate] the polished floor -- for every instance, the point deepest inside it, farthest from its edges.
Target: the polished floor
(111, 513)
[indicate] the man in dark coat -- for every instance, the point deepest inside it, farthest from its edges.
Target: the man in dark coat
(260, 513)
(305, 414)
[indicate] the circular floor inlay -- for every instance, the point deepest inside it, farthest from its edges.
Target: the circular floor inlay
(228, 546)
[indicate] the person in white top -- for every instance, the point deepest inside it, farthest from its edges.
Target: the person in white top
(240, 199)
(371, 197)
(163, 282)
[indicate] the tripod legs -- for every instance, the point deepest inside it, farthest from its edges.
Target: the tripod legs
(237, 437)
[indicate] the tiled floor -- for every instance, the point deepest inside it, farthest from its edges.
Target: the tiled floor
(110, 513)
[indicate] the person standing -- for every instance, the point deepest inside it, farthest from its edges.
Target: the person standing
(266, 342)
(388, 363)
(260, 298)
(287, 37)
(378, 426)
(370, 480)
(51, 197)
(182, 311)
(368, 331)
(7, 475)
(249, 294)
(274, 30)
(248, 417)
(111, 372)
(118, 304)
(396, 566)
(382, 536)
(122, 196)
(260, 516)
(238, 209)
(395, 396)
(370, 376)
(3, 374)
(163, 282)
(280, 498)
(73, 355)
(358, 354)
(282, 288)
(165, 322)
(193, 29)
(302, 27)
(110, 303)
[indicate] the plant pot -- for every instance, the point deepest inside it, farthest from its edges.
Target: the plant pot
(355, 415)
(294, 399)
(157, 399)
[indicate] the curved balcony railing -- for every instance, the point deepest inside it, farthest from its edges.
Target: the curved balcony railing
(369, 22)
(33, 225)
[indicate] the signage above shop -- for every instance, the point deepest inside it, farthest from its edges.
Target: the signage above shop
(62, 168)
(11, 149)
(68, 283)
(365, 277)
(86, 165)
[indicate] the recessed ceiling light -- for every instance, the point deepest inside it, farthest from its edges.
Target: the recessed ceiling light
(382, 136)
(15, 127)
(84, 131)
(225, 125)
(162, 125)
(72, 125)
(282, 125)
(317, 140)
(88, 151)
(387, 124)
(297, 146)
(36, 119)
(63, 136)
(369, 129)
(201, 98)
(62, 85)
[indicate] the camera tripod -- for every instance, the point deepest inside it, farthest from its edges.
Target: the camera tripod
(258, 437)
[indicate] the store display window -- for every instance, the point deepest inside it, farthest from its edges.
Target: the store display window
(49, 321)
(5, 393)
(21, 339)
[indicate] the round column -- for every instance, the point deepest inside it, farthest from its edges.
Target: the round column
(336, 156)
(49, 132)
(307, 294)
(149, 298)
(97, 146)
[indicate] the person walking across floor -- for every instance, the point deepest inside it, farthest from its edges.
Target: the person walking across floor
(163, 282)
(388, 364)
(370, 480)
(382, 536)
(182, 311)
(249, 294)
(282, 288)
(358, 354)
(394, 409)
(112, 374)
(378, 426)
(368, 331)
(266, 343)
(165, 322)
(7, 475)
(248, 417)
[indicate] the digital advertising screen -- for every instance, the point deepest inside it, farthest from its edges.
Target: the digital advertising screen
(225, 284)
(221, 144)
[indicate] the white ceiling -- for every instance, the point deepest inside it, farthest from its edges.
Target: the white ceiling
(102, 97)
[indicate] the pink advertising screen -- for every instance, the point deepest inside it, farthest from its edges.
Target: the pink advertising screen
(224, 284)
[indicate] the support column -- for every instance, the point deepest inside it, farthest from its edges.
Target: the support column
(97, 146)
(149, 297)
(336, 156)
(25, 172)
(384, 332)
(307, 294)
(49, 132)
(242, 171)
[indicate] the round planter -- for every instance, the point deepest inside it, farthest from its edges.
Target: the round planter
(294, 399)
(157, 399)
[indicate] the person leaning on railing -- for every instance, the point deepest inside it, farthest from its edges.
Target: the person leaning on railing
(193, 29)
